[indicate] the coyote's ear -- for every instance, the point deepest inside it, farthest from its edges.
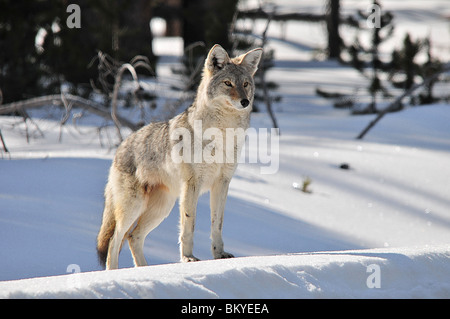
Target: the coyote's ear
(251, 60)
(217, 58)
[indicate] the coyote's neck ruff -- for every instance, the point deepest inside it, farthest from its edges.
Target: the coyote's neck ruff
(183, 158)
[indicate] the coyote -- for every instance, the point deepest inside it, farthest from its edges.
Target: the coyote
(145, 181)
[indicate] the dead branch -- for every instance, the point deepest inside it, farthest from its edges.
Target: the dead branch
(259, 13)
(68, 108)
(398, 100)
(56, 99)
(3, 142)
(26, 117)
(194, 69)
(117, 83)
(262, 74)
(108, 68)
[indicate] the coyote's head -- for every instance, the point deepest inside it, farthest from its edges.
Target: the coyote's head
(230, 81)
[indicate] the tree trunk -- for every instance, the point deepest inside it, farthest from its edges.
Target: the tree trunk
(334, 39)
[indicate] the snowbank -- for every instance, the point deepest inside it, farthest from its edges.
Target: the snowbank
(395, 195)
(375, 273)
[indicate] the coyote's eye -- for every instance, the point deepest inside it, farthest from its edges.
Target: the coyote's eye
(245, 84)
(228, 83)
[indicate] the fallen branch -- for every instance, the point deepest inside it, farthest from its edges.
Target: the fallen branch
(259, 13)
(76, 101)
(395, 103)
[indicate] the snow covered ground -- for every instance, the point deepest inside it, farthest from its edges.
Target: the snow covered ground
(379, 229)
(405, 273)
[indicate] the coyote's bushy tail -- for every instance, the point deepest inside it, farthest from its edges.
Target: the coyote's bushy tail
(105, 233)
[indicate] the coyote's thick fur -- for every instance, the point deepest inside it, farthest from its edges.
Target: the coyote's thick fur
(145, 181)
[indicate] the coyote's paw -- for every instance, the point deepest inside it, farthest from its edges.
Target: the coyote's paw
(223, 255)
(188, 259)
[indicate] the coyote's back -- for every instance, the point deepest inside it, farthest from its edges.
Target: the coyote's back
(180, 159)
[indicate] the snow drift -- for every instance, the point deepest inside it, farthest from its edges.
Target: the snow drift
(289, 244)
(420, 272)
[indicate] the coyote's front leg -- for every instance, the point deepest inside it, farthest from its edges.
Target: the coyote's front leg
(218, 198)
(188, 206)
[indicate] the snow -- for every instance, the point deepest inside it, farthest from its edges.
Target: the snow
(384, 222)
(405, 273)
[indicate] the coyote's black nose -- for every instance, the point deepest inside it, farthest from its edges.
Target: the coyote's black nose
(245, 102)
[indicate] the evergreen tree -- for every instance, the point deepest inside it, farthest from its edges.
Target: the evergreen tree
(205, 23)
(430, 67)
(405, 69)
(360, 55)
(402, 70)
(403, 65)
(119, 28)
(21, 67)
